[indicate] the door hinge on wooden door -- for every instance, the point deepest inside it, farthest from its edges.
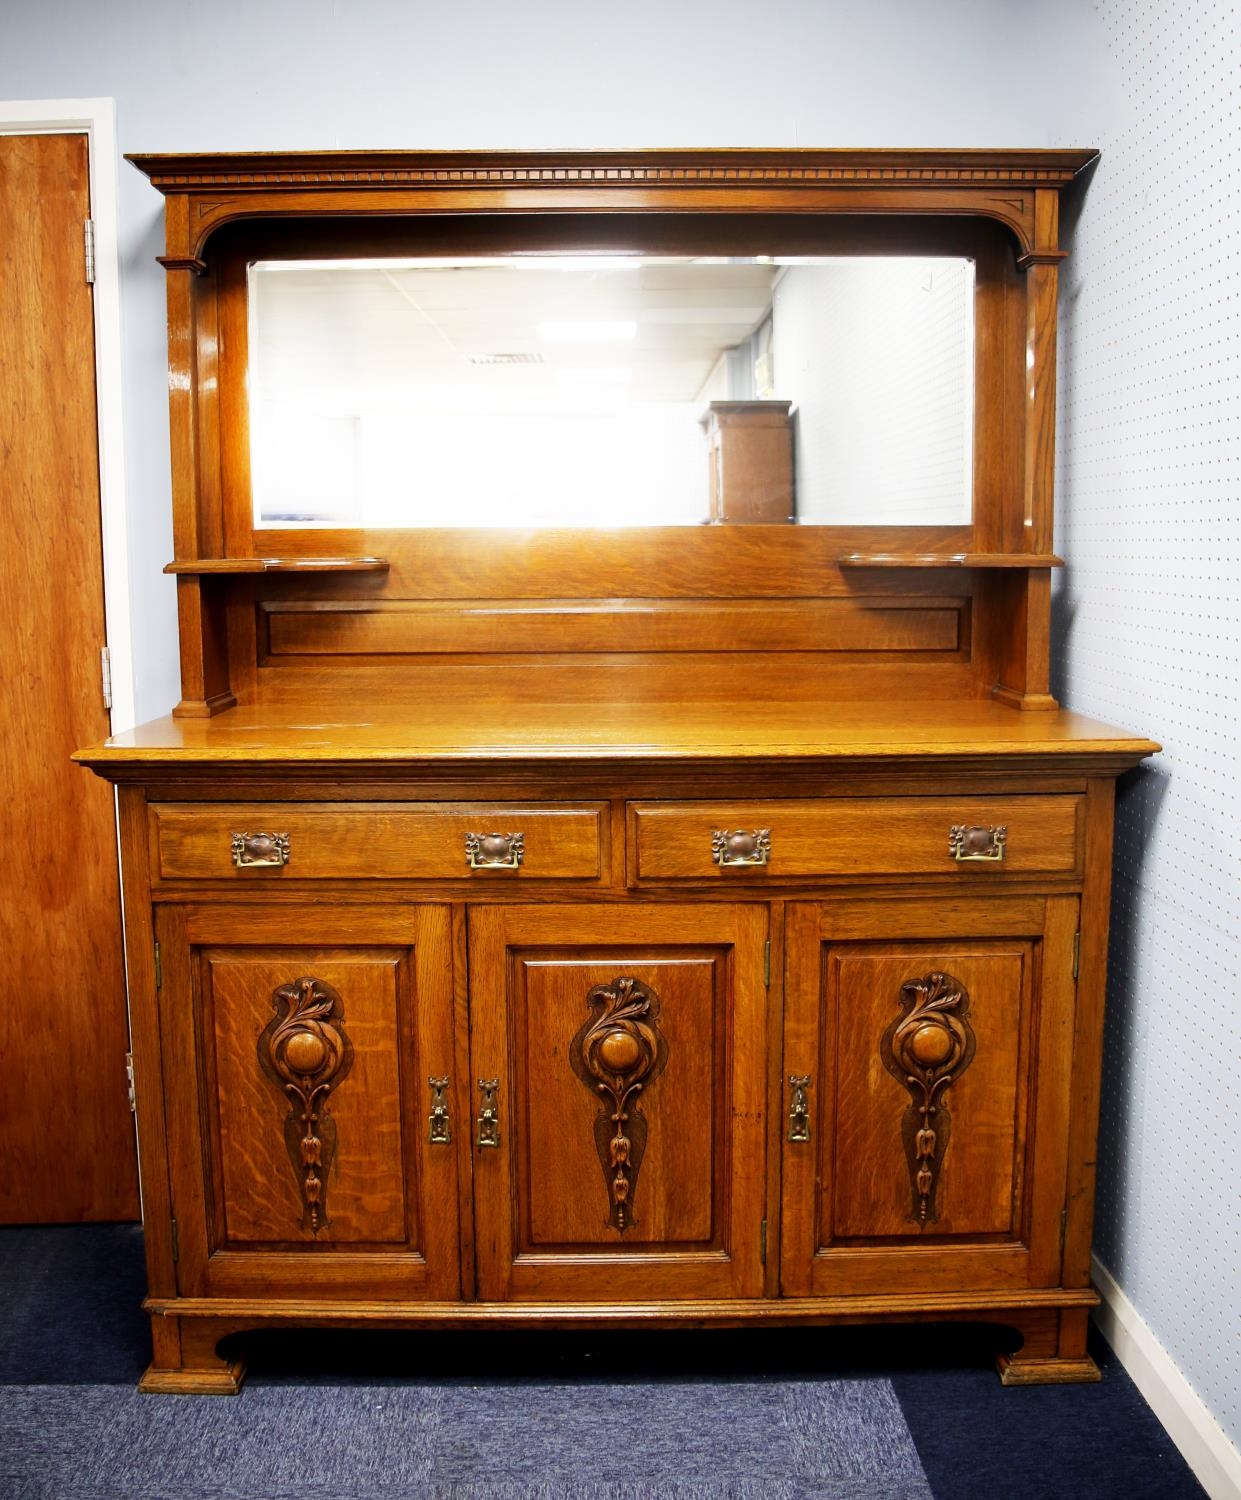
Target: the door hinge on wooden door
(176, 1241)
(88, 247)
(159, 970)
(105, 673)
(1077, 952)
(762, 1243)
(129, 1082)
(1064, 1224)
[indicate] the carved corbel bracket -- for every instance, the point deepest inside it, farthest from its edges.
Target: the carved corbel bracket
(305, 1052)
(927, 1050)
(617, 1053)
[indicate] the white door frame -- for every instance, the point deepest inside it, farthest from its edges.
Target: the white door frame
(96, 119)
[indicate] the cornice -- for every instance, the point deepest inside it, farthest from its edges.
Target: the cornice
(212, 172)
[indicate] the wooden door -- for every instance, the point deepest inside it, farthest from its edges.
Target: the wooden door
(927, 1063)
(299, 1045)
(66, 1134)
(625, 1157)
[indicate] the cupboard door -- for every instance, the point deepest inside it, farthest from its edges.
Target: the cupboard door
(927, 1063)
(299, 1044)
(626, 1050)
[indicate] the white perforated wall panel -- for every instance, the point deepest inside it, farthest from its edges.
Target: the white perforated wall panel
(1148, 635)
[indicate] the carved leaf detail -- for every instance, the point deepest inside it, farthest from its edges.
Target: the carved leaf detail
(306, 1054)
(617, 1052)
(927, 1049)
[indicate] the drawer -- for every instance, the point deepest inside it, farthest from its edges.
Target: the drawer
(854, 836)
(378, 841)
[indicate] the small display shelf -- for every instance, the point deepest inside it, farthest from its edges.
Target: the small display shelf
(279, 565)
(951, 560)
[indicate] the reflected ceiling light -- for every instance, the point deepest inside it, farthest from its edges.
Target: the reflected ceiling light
(587, 331)
(595, 375)
(537, 262)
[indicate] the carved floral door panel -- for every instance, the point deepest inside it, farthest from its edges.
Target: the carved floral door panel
(920, 1149)
(306, 1159)
(626, 1046)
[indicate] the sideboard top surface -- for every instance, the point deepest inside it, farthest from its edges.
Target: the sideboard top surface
(477, 715)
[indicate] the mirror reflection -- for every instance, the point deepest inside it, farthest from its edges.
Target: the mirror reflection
(552, 390)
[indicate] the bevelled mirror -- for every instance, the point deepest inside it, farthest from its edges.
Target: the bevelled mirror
(534, 390)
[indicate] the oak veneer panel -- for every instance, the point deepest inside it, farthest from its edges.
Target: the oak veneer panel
(235, 1190)
(66, 1133)
(857, 836)
(681, 1189)
(412, 627)
(404, 841)
(364, 1197)
(698, 1200)
(550, 715)
(980, 1177)
(1006, 1181)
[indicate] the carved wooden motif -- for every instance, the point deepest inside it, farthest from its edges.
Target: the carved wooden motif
(617, 1052)
(927, 1049)
(304, 1051)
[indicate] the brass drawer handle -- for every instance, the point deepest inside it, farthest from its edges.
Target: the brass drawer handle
(971, 844)
(489, 1114)
(799, 1108)
(441, 1127)
(260, 850)
(741, 846)
(495, 851)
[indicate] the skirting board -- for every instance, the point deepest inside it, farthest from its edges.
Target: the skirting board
(1202, 1442)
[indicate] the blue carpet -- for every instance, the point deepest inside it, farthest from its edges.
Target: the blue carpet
(727, 1440)
(866, 1414)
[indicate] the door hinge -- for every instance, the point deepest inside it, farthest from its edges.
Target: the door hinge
(88, 247)
(129, 1082)
(1077, 952)
(762, 1243)
(767, 964)
(159, 970)
(176, 1241)
(105, 673)
(1064, 1224)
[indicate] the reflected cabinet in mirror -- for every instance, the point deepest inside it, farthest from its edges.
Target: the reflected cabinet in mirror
(546, 390)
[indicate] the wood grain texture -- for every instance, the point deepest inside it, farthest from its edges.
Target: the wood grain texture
(378, 841)
(364, 1181)
(278, 565)
(550, 715)
(512, 627)
(66, 1134)
(1088, 1032)
(852, 1178)
(855, 836)
(541, 1207)
(978, 1191)
(236, 1195)
(677, 1161)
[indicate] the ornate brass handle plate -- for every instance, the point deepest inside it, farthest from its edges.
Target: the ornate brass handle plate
(976, 845)
(741, 846)
(441, 1127)
(488, 1114)
(799, 1108)
(495, 851)
(253, 851)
